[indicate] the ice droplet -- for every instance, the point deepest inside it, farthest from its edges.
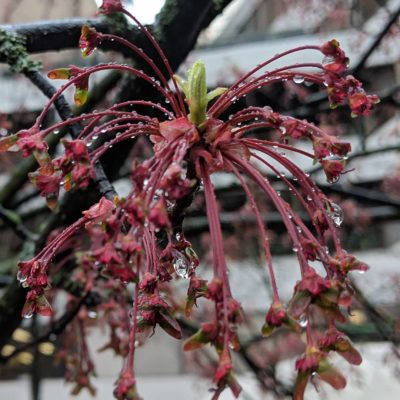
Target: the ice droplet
(298, 79)
(336, 214)
(21, 277)
(182, 266)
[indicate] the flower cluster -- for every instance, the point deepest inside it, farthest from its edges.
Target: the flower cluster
(137, 240)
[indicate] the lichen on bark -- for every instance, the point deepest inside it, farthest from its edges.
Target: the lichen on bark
(13, 48)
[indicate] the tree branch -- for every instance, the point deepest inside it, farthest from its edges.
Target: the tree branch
(378, 39)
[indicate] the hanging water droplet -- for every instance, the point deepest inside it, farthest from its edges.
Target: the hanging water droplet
(28, 315)
(182, 266)
(334, 179)
(282, 129)
(298, 79)
(309, 198)
(92, 314)
(303, 321)
(360, 271)
(21, 277)
(56, 131)
(327, 60)
(295, 249)
(336, 214)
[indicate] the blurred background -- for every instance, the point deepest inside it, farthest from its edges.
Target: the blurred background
(243, 35)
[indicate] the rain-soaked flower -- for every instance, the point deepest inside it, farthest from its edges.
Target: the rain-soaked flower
(138, 242)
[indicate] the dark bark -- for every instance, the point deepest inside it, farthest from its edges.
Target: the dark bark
(64, 34)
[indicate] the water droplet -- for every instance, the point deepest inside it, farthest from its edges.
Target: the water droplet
(92, 314)
(336, 214)
(182, 266)
(167, 101)
(295, 249)
(28, 315)
(327, 60)
(303, 321)
(309, 198)
(103, 131)
(282, 129)
(56, 131)
(360, 271)
(21, 277)
(334, 179)
(298, 79)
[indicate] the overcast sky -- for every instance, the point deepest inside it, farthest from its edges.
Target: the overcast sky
(143, 10)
